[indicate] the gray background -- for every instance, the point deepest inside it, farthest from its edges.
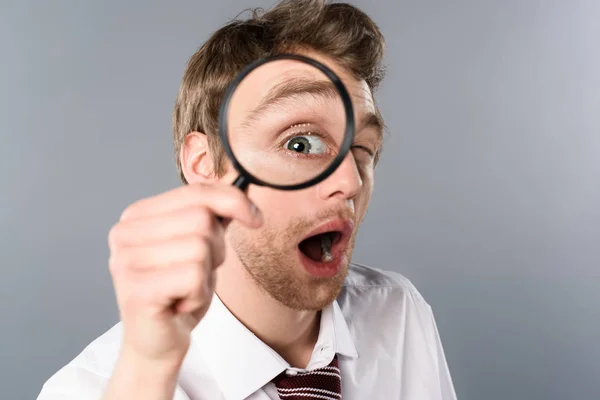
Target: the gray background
(487, 196)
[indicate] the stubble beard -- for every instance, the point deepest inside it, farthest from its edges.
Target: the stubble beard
(270, 258)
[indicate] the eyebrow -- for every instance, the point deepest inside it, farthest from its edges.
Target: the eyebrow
(293, 88)
(375, 121)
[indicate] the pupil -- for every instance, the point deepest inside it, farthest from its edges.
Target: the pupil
(300, 145)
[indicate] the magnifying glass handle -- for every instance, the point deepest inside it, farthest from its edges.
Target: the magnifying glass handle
(240, 182)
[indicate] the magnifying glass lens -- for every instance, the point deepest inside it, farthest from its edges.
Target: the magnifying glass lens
(286, 122)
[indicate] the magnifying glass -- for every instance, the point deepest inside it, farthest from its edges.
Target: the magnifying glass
(286, 122)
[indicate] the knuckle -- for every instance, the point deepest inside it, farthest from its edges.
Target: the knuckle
(210, 280)
(119, 261)
(114, 263)
(196, 278)
(219, 258)
(198, 189)
(219, 253)
(234, 201)
(128, 212)
(133, 209)
(113, 268)
(114, 235)
(200, 248)
(134, 300)
(202, 220)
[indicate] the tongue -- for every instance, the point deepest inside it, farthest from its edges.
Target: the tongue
(312, 247)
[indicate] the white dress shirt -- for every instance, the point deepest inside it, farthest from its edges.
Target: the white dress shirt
(380, 326)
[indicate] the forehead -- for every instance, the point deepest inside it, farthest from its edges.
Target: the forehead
(260, 84)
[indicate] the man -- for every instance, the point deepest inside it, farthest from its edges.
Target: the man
(227, 311)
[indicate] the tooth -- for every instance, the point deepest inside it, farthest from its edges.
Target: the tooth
(326, 248)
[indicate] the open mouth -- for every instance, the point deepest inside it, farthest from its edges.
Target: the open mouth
(320, 247)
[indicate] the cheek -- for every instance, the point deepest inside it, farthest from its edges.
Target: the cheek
(362, 201)
(364, 197)
(368, 169)
(367, 175)
(277, 206)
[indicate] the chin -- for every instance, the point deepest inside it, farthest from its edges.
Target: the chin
(316, 293)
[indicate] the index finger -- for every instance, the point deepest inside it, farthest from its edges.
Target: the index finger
(226, 201)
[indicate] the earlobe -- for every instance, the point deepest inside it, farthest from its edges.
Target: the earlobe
(196, 161)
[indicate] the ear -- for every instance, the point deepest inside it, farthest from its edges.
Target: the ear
(196, 160)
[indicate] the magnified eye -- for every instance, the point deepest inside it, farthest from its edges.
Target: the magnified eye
(306, 144)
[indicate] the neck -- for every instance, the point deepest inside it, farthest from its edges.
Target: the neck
(291, 333)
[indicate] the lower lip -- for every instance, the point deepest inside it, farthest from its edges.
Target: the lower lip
(321, 269)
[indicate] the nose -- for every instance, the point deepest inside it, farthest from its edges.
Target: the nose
(344, 182)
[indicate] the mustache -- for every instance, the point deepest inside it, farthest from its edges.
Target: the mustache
(302, 224)
(338, 212)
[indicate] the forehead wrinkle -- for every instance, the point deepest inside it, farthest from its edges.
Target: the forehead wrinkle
(370, 118)
(296, 88)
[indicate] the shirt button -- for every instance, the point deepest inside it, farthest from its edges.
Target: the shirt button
(291, 372)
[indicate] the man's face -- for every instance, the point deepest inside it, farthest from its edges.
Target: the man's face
(277, 257)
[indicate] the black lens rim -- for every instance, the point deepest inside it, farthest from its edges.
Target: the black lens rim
(246, 177)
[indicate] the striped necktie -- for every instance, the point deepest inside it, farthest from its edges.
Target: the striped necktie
(320, 384)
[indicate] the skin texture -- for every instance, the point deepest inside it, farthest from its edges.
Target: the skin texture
(169, 253)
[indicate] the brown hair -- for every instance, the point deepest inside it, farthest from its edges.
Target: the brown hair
(337, 30)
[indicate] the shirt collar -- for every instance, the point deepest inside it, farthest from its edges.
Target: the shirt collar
(241, 363)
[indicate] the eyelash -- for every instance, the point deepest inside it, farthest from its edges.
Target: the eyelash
(314, 132)
(297, 131)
